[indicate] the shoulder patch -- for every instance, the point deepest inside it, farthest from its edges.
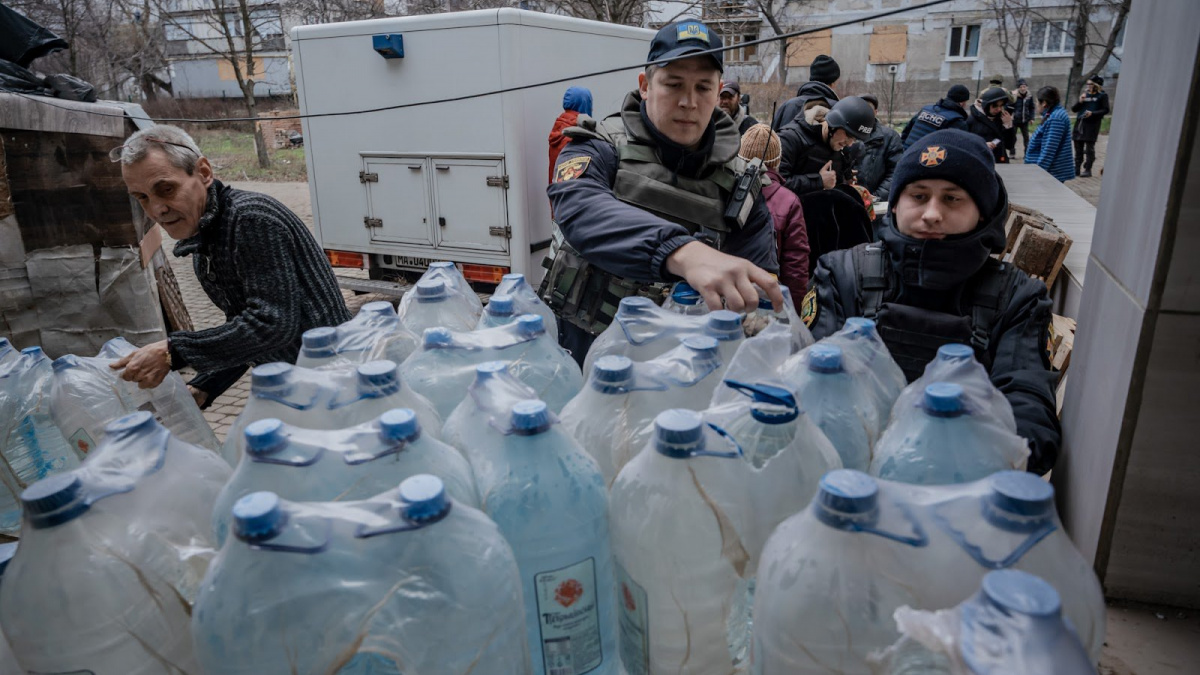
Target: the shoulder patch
(571, 169)
(808, 307)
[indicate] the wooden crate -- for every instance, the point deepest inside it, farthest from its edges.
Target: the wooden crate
(1035, 244)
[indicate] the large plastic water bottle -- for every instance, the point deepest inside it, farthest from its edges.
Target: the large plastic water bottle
(526, 301)
(32, 446)
(840, 403)
(830, 578)
(693, 370)
(343, 465)
(406, 582)
(374, 333)
(956, 364)
(126, 538)
(326, 399)
(445, 365)
(641, 330)
(318, 349)
(685, 300)
(726, 327)
(1014, 624)
(1008, 521)
(498, 312)
(86, 394)
(548, 498)
(676, 510)
(448, 273)
(437, 306)
(944, 441)
(861, 343)
(476, 427)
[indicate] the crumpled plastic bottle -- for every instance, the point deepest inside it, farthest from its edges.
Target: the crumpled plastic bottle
(549, 500)
(832, 575)
(349, 464)
(675, 513)
(1014, 624)
(409, 581)
(32, 446)
(944, 440)
(445, 365)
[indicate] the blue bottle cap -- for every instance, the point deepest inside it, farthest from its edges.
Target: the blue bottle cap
(500, 305)
(955, 352)
(378, 307)
(437, 337)
(1021, 493)
(7, 551)
(724, 325)
(516, 278)
(399, 425)
(944, 399)
(530, 325)
(530, 417)
(375, 374)
(703, 345)
(848, 492)
(133, 423)
(33, 351)
(490, 369)
(319, 338)
(61, 363)
(772, 404)
(612, 369)
(270, 375)
(258, 517)
(684, 294)
(431, 290)
(1017, 592)
(54, 500)
(635, 304)
(264, 436)
(678, 433)
(825, 359)
(860, 326)
(424, 498)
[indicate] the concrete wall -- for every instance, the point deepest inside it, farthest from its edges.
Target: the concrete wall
(1128, 474)
(203, 78)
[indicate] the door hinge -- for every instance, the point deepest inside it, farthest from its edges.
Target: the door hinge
(364, 177)
(372, 222)
(505, 231)
(498, 181)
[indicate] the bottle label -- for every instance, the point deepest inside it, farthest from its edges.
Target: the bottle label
(81, 442)
(569, 617)
(634, 624)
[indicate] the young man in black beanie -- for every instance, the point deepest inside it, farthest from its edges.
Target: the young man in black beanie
(930, 280)
(948, 113)
(823, 75)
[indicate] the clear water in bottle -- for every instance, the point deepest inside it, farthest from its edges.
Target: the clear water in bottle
(476, 427)
(437, 305)
(409, 581)
(548, 498)
(448, 273)
(498, 311)
(641, 330)
(839, 402)
(863, 347)
(526, 301)
(956, 364)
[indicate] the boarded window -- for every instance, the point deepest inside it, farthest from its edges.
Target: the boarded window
(225, 69)
(889, 44)
(803, 49)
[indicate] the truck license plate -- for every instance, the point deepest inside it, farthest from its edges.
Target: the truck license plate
(405, 262)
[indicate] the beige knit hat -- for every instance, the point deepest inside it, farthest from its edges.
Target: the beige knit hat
(760, 141)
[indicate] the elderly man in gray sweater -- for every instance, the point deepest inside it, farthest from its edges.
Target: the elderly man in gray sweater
(254, 258)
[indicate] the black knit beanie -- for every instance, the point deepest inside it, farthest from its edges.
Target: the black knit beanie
(824, 69)
(959, 94)
(957, 156)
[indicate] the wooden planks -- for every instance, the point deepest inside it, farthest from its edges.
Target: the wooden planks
(1035, 244)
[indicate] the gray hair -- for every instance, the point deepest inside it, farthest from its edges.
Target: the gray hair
(174, 142)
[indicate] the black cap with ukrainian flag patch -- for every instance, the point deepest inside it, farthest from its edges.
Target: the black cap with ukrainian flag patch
(685, 37)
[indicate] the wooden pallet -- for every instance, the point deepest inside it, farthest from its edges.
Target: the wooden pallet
(1035, 244)
(1061, 342)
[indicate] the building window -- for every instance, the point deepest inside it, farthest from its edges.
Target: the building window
(964, 42)
(1052, 38)
(739, 54)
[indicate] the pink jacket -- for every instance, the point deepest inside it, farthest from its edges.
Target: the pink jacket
(791, 235)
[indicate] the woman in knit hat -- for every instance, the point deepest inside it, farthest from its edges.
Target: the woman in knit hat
(931, 280)
(791, 234)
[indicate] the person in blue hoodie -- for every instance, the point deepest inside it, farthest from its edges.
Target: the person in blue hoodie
(577, 101)
(1050, 147)
(931, 280)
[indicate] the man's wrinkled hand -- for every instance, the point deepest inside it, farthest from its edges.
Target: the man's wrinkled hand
(721, 277)
(147, 366)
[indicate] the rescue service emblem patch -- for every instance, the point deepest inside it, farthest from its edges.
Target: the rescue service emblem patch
(692, 31)
(571, 168)
(808, 308)
(933, 155)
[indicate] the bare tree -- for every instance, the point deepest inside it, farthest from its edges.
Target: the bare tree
(1012, 30)
(334, 11)
(627, 12)
(1110, 43)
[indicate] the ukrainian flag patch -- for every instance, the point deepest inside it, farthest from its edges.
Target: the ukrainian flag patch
(692, 31)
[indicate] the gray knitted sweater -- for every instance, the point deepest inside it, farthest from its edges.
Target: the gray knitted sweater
(261, 266)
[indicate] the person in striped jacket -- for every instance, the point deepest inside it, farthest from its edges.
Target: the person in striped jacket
(1050, 147)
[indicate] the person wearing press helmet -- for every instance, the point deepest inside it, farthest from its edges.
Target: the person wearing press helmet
(931, 280)
(989, 120)
(815, 146)
(656, 193)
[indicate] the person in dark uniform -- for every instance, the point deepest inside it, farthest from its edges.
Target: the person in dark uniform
(948, 113)
(815, 145)
(1089, 111)
(930, 280)
(656, 193)
(1023, 111)
(991, 122)
(823, 75)
(731, 103)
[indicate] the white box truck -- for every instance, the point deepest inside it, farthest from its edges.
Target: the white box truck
(461, 180)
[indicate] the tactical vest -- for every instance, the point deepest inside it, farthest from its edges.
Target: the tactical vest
(931, 118)
(912, 334)
(587, 296)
